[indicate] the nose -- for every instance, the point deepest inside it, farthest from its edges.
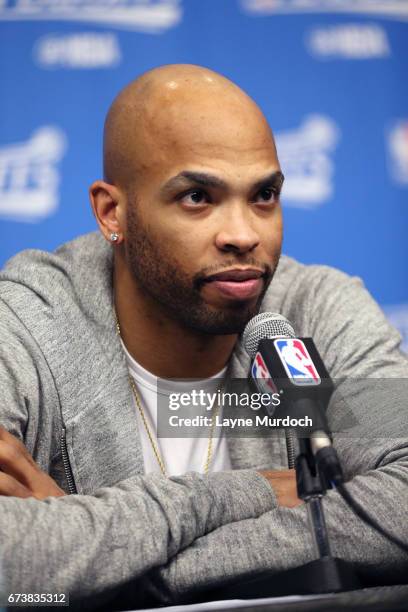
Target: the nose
(237, 234)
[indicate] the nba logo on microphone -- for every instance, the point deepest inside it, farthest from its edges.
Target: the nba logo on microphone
(261, 373)
(297, 362)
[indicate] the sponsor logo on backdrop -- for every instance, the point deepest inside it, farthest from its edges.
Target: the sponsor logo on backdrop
(395, 9)
(152, 16)
(398, 316)
(305, 154)
(83, 50)
(397, 137)
(351, 41)
(29, 175)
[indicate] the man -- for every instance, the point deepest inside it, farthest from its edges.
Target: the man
(191, 222)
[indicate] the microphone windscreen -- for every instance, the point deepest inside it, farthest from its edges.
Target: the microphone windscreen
(263, 326)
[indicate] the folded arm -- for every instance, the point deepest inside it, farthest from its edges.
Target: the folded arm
(281, 538)
(82, 544)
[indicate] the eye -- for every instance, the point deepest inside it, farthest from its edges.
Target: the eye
(267, 196)
(194, 198)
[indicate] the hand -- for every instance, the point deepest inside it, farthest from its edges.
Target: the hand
(283, 483)
(20, 476)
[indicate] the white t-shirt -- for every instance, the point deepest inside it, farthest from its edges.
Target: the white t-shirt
(179, 455)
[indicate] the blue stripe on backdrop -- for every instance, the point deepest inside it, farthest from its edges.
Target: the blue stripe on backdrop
(332, 84)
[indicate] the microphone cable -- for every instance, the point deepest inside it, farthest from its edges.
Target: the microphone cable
(367, 518)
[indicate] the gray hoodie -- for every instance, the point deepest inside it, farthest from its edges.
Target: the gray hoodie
(64, 391)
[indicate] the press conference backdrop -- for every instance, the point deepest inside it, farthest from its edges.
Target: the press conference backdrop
(330, 75)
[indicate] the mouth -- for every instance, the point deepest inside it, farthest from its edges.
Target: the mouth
(238, 284)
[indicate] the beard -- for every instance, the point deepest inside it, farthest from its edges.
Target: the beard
(158, 273)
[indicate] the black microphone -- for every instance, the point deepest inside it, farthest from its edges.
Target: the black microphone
(292, 367)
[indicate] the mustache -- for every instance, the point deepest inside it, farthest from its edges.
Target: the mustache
(200, 278)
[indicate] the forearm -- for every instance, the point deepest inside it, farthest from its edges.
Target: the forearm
(83, 544)
(281, 538)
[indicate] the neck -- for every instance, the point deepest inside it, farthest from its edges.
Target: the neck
(162, 345)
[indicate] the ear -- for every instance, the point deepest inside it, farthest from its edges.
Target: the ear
(108, 207)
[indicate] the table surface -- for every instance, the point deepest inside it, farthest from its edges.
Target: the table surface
(376, 599)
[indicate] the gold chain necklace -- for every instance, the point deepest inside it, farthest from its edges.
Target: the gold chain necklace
(147, 428)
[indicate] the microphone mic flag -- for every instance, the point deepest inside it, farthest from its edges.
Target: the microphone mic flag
(292, 367)
(289, 366)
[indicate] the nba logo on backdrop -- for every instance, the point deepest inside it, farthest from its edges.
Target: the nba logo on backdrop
(398, 151)
(352, 41)
(297, 362)
(80, 50)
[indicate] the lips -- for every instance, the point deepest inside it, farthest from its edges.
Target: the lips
(236, 284)
(235, 275)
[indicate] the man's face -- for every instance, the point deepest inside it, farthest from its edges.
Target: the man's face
(204, 227)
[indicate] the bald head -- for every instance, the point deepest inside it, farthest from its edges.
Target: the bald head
(173, 111)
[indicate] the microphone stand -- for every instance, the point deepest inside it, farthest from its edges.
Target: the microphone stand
(325, 574)
(310, 489)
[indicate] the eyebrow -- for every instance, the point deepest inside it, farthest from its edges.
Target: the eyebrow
(209, 180)
(275, 179)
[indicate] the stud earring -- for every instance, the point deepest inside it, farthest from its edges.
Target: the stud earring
(114, 237)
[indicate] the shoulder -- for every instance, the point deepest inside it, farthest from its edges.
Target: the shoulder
(76, 272)
(348, 326)
(301, 292)
(32, 265)
(57, 299)
(55, 312)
